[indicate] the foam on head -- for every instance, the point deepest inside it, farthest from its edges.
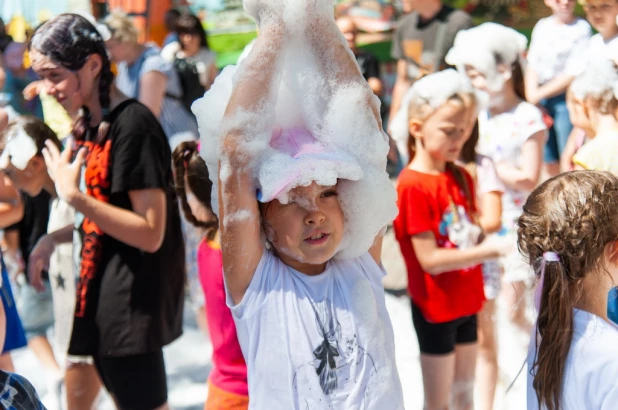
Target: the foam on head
(425, 96)
(485, 47)
(598, 83)
(308, 95)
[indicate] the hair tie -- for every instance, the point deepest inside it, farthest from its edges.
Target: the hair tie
(551, 257)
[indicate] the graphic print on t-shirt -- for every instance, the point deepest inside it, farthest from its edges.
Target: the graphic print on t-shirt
(87, 252)
(456, 225)
(334, 358)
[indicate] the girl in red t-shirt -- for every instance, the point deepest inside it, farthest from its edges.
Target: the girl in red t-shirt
(227, 383)
(439, 237)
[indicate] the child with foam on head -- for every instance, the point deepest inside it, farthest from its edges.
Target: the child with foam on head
(512, 133)
(569, 233)
(597, 90)
(303, 199)
(439, 237)
(558, 43)
(227, 381)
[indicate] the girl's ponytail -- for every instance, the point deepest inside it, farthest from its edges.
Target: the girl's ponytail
(555, 328)
(518, 80)
(190, 167)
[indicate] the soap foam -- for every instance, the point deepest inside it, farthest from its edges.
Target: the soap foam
(598, 82)
(433, 91)
(308, 94)
(479, 46)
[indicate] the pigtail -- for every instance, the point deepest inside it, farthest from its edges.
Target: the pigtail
(81, 124)
(555, 328)
(190, 167)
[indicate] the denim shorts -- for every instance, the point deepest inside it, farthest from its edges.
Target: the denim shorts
(35, 309)
(559, 132)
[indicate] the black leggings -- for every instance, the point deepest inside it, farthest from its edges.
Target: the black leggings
(136, 382)
(441, 338)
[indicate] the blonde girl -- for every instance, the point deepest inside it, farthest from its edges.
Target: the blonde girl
(439, 238)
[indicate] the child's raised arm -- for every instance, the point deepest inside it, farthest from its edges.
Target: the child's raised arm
(336, 59)
(239, 215)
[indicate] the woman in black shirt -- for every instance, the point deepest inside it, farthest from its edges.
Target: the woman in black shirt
(128, 246)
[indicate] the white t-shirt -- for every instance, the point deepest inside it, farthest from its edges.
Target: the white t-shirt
(597, 48)
(318, 342)
(555, 47)
(591, 368)
(501, 139)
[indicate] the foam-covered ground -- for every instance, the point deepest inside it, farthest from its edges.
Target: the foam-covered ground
(188, 359)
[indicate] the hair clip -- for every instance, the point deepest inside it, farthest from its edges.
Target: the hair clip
(551, 257)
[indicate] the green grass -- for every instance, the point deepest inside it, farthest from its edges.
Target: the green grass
(229, 46)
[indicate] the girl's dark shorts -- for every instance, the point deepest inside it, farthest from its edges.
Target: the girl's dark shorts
(441, 338)
(136, 382)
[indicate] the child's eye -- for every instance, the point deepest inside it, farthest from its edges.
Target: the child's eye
(329, 193)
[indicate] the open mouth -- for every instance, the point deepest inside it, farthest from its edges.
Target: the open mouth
(317, 238)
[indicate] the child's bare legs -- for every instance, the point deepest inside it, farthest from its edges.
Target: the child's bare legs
(6, 363)
(43, 351)
(448, 380)
(438, 375)
(462, 392)
(83, 386)
(515, 298)
(487, 366)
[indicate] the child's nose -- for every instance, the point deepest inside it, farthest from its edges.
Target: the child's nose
(314, 217)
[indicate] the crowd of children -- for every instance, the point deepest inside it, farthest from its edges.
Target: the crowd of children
(288, 200)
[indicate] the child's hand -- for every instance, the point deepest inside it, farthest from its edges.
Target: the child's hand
(498, 246)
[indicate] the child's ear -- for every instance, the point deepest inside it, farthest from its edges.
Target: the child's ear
(611, 252)
(416, 128)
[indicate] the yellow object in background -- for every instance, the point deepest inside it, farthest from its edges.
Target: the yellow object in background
(55, 116)
(17, 28)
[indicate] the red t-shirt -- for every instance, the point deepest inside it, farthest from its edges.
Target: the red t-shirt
(229, 372)
(425, 204)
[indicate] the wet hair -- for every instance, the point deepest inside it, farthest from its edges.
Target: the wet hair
(35, 128)
(423, 112)
(190, 24)
(121, 27)
(573, 215)
(190, 168)
(171, 17)
(69, 40)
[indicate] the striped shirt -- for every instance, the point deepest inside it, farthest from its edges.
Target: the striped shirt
(177, 122)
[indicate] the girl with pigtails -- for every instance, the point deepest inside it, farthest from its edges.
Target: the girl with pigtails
(569, 234)
(127, 243)
(298, 163)
(512, 134)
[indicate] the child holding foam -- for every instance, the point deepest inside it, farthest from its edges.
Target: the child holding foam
(569, 233)
(438, 235)
(557, 43)
(512, 134)
(301, 258)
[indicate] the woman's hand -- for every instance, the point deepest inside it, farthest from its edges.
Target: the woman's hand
(39, 261)
(63, 172)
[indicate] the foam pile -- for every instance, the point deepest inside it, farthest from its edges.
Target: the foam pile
(479, 46)
(434, 91)
(599, 81)
(310, 94)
